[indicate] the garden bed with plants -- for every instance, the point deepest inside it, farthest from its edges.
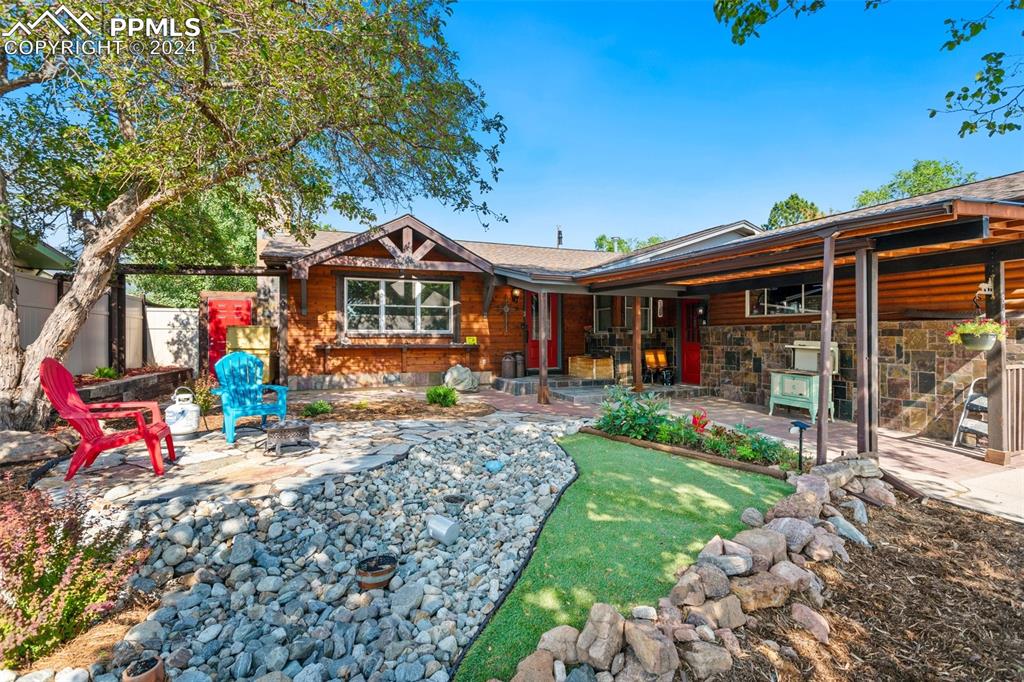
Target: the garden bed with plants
(105, 374)
(643, 419)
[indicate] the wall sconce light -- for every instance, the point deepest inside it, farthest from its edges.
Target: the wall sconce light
(702, 314)
(516, 293)
(661, 307)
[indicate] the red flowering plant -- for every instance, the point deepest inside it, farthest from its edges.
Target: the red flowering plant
(60, 570)
(977, 326)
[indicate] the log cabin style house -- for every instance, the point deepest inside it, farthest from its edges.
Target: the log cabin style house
(870, 293)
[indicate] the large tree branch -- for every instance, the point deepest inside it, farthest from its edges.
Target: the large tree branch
(45, 72)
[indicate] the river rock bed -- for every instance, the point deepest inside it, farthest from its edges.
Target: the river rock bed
(265, 587)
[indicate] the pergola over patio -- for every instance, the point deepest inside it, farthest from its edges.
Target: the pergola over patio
(951, 232)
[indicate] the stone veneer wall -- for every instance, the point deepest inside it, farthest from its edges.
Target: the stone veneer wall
(922, 377)
(619, 343)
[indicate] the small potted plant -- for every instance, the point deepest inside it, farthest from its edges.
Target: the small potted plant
(144, 670)
(977, 334)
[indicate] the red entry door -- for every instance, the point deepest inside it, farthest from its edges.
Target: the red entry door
(533, 332)
(225, 313)
(689, 365)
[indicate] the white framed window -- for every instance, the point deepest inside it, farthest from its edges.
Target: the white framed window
(794, 299)
(397, 306)
(603, 313)
(645, 313)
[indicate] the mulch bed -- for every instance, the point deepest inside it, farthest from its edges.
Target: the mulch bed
(941, 597)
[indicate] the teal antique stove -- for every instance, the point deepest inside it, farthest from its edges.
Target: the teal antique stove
(799, 387)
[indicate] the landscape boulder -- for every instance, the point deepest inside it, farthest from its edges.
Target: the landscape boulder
(763, 542)
(730, 564)
(837, 473)
(761, 591)
(713, 579)
(805, 505)
(752, 517)
(689, 591)
(656, 652)
(461, 379)
(721, 613)
(799, 579)
(816, 485)
(537, 667)
(796, 531)
(601, 637)
(876, 491)
(706, 659)
(561, 642)
(813, 621)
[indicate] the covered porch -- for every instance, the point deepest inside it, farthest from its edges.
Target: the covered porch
(956, 475)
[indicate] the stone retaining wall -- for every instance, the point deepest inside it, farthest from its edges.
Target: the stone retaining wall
(922, 376)
(157, 386)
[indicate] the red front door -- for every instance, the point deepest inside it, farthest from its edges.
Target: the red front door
(533, 332)
(689, 362)
(224, 313)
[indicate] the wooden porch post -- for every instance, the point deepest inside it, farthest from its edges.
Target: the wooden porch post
(867, 350)
(825, 355)
(122, 322)
(543, 320)
(282, 330)
(995, 370)
(638, 317)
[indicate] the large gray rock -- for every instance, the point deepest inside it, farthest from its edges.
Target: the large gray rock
(849, 531)
(816, 485)
(406, 599)
(725, 612)
(149, 633)
(730, 564)
(601, 637)
(763, 542)
(805, 505)
(797, 531)
(876, 491)
(752, 517)
(23, 446)
(761, 591)
(859, 509)
(713, 579)
(799, 579)
(837, 473)
(688, 591)
(461, 379)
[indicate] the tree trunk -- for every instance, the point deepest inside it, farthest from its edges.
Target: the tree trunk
(120, 222)
(10, 343)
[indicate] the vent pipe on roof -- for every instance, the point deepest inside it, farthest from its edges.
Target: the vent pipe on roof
(559, 228)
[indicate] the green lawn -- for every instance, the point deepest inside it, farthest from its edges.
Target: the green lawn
(617, 536)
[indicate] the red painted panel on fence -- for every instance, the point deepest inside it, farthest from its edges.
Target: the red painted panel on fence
(224, 313)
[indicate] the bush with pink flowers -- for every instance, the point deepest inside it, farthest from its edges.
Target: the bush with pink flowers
(60, 570)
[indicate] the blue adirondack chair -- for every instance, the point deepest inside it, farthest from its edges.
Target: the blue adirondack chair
(241, 391)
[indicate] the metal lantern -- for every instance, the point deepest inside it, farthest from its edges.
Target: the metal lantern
(183, 415)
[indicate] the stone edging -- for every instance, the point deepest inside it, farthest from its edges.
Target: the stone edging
(692, 628)
(692, 454)
(454, 669)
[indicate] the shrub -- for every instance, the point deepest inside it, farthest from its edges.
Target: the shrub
(317, 408)
(636, 415)
(678, 432)
(361, 405)
(202, 388)
(105, 373)
(58, 571)
(445, 396)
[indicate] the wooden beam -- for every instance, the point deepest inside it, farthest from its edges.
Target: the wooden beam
(995, 370)
(389, 264)
(407, 241)
(395, 252)
(423, 250)
(199, 270)
(638, 317)
(282, 330)
(543, 319)
(866, 290)
(489, 281)
(825, 354)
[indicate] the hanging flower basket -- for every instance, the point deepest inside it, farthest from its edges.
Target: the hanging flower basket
(978, 334)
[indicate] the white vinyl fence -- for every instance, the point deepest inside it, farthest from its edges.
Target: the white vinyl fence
(173, 332)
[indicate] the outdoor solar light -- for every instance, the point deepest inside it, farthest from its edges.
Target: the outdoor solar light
(800, 427)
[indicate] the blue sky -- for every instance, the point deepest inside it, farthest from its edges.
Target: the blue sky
(643, 118)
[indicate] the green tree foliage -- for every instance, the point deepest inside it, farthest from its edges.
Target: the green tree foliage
(991, 102)
(791, 210)
(614, 244)
(221, 230)
(923, 177)
(307, 106)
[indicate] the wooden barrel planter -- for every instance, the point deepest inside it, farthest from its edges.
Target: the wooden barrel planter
(375, 572)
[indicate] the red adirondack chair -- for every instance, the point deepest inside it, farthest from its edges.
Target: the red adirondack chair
(59, 386)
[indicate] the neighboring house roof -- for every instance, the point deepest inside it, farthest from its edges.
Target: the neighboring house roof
(717, 235)
(36, 254)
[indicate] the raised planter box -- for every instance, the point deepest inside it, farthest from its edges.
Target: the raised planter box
(157, 386)
(692, 454)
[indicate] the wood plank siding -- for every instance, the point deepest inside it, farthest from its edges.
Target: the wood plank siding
(320, 326)
(902, 296)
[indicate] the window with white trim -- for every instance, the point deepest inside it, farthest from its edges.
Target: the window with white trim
(795, 299)
(399, 306)
(603, 313)
(645, 313)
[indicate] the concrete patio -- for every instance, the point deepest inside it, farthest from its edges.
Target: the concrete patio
(957, 475)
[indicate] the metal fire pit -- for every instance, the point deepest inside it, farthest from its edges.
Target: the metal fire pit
(289, 432)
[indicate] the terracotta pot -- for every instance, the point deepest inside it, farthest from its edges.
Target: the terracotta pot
(375, 572)
(144, 670)
(978, 341)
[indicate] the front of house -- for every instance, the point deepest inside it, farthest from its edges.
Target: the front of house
(726, 305)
